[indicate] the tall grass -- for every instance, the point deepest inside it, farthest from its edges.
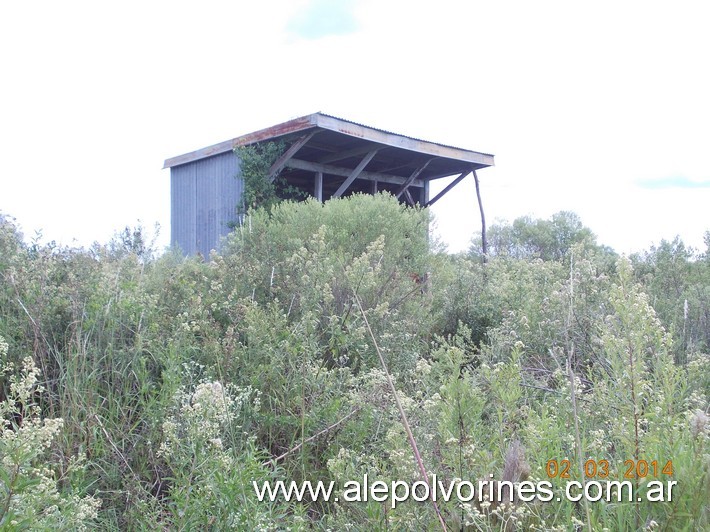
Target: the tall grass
(497, 369)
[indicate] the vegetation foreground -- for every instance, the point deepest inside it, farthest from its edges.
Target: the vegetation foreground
(142, 392)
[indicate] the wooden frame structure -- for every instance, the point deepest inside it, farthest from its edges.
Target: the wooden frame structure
(327, 157)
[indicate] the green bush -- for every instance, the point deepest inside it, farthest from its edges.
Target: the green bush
(30, 494)
(182, 381)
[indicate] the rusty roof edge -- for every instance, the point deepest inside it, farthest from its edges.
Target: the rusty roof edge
(297, 124)
(340, 125)
(292, 126)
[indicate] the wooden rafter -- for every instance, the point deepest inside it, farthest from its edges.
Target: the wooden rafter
(448, 187)
(359, 168)
(339, 156)
(329, 169)
(288, 154)
(412, 177)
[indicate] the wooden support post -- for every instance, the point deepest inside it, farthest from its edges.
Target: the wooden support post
(448, 187)
(484, 244)
(424, 195)
(318, 192)
(293, 149)
(374, 187)
(353, 175)
(412, 177)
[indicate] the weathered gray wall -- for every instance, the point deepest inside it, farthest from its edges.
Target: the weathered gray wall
(204, 196)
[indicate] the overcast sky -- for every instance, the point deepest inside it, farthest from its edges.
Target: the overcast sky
(601, 108)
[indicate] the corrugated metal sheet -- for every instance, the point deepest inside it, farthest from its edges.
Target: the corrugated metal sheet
(204, 197)
(388, 132)
(346, 127)
(205, 192)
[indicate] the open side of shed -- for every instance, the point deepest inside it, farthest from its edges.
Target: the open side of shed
(326, 157)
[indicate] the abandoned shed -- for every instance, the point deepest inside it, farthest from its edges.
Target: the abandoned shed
(325, 156)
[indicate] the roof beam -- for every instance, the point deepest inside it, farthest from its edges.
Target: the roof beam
(396, 167)
(299, 164)
(448, 187)
(412, 177)
(356, 172)
(450, 173)
(339, 156)
(323, 147)
(288, 154)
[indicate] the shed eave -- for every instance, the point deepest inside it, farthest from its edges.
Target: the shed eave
(292, 126)
(395, 140)
(344, 127)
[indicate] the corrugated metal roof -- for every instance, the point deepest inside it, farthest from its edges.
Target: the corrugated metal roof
(398, 134)
(342, 127)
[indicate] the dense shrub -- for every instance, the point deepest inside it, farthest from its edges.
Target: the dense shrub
(29, 494)
(182, 380)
